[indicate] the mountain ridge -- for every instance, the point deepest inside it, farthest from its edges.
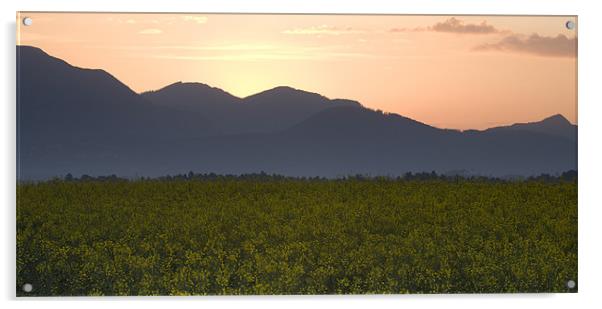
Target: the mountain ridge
(84, 121)
(558, 116)
(254, 113)
(554, 125)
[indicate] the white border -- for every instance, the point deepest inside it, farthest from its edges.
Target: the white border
(590, 151)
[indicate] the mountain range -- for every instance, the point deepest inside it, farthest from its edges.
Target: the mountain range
(85, 121)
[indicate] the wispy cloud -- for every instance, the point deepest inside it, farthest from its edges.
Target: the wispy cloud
(405, 29)
(535, 44)
(151, 31)
(323, 30)
(458, 26)
(196, 19)
(453, 25)
(558, 46)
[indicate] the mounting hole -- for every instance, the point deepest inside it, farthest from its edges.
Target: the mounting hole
(27, 21)
(27, 287)
(570, 25)
(571, 284)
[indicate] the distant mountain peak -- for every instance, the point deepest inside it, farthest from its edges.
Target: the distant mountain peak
(554, 125)
(285, 88)
(558, 118)
(289, 94)
(286, 91)
(189, 87)
(554, 120)
(188, 84)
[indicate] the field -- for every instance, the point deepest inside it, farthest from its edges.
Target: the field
(232, 236)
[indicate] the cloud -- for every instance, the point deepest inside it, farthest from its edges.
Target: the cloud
(196, 19)
(151, 31)
(457, 26)
(453, 25)
(417, 29)
(558, 46)
(323, 30)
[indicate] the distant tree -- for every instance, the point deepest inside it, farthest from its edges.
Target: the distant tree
(68, 177)
(569, 175)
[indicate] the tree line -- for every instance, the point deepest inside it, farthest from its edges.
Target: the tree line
(567, 176)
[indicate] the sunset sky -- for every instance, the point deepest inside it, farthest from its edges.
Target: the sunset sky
(462, 72)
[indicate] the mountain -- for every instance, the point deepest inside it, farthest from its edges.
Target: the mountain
(373, 142)
(206, 101)
(194, 97)
(555, 125)
(82, 104)
(68, 114)
(351, 140)
(83, 121)
(358, 121)
(290, 105)
(271, 110)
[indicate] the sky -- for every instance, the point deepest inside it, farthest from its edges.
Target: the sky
(459, 72)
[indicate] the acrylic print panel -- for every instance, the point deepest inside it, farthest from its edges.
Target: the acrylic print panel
(226, 154)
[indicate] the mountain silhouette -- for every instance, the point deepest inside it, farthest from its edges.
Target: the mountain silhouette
(268, 111)
(194, 97)
(555, 125)
(380, 143)
(220, 108)
(343, 121)
(68, 115)
(84, 121)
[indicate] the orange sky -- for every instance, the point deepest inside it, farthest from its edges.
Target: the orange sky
(452, 72)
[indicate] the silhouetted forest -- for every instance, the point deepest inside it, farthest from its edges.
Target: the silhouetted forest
(568, 176)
